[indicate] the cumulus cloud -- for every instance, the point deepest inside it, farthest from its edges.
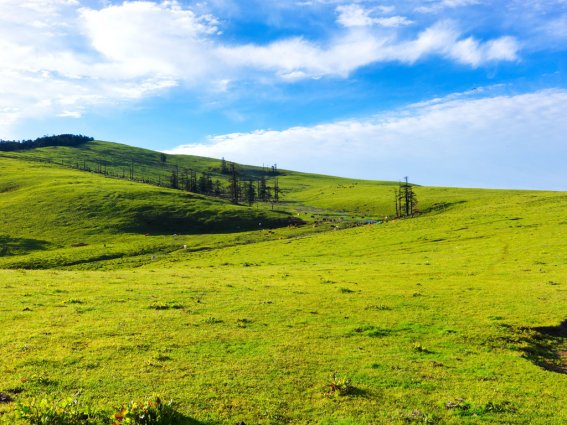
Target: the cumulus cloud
(471, 52)
(143, 38)
(60, 58)
(345, 54)
(439, 5)
(477, 142)
(445, 40)
(354, 15)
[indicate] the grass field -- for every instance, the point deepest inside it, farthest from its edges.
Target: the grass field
(450, 317)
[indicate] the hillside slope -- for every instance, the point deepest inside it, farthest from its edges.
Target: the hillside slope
(298, 189)
(48, 206)
(117, 159)
(453, 317)
(45, 206)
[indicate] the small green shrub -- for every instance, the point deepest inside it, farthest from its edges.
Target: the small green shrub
(151, 412)
(74, 301)
(371, 331)
(419, 348)
(339, 386)
(212, 321)
(58, 412)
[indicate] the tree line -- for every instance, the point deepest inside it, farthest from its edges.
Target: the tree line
(44, 141)
(237, 187)
(228, 181)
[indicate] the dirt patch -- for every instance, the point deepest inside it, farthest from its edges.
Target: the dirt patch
(5, 398)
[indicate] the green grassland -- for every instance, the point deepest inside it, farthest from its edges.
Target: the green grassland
(47, 209)
(116, 159)
(450, 317)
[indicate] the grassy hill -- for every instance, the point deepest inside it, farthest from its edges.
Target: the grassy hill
(117, 159)
(47, 193)
(451, 317)
(53, 208)
(301, 191)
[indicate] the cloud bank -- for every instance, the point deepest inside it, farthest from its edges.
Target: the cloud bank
(61, 57)
(475, 142)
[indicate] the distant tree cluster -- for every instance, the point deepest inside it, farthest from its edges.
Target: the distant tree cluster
(227, 181)
(247, 189)
(406, 200)
(41, 142)
(234, 185)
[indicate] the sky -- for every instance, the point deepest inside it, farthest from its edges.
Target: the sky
(465, 93)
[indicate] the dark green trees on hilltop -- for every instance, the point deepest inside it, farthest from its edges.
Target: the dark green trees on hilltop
(41, 142)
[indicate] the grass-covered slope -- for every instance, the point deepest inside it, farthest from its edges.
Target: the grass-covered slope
(452, 317)
(303, 191)
(45, 206)
(438, 319)
(117, 160)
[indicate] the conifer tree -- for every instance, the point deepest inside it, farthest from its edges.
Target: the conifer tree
(250, 193)
(406, 200)
(174, 178)
(234, 186)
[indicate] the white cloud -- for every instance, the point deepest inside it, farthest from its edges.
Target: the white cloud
(471, 52)
(143, 38)
(459, 3)
(393, 21)
(440, 5)
(444, 39)
(58, 57)
(557, 27)
(297, 57)
(354, 15)
(385, 9)
(467, 141)
(70, 114)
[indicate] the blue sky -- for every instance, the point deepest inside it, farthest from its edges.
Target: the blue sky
(450, 92)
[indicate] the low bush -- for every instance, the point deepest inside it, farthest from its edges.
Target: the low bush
(72, 412)
(339, 386)
(151, 412)
(58, 412)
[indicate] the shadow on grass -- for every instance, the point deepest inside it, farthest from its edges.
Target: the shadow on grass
(14, 246)
(441, 206)
(186, 420)
(359, 392)
(174, 222)
(547, 347)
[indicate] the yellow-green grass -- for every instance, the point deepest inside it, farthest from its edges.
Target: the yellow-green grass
(433, 318)
(47, 209)
(306, 191)
(117, 159)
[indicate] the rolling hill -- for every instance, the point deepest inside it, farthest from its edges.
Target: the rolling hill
(454, 316)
